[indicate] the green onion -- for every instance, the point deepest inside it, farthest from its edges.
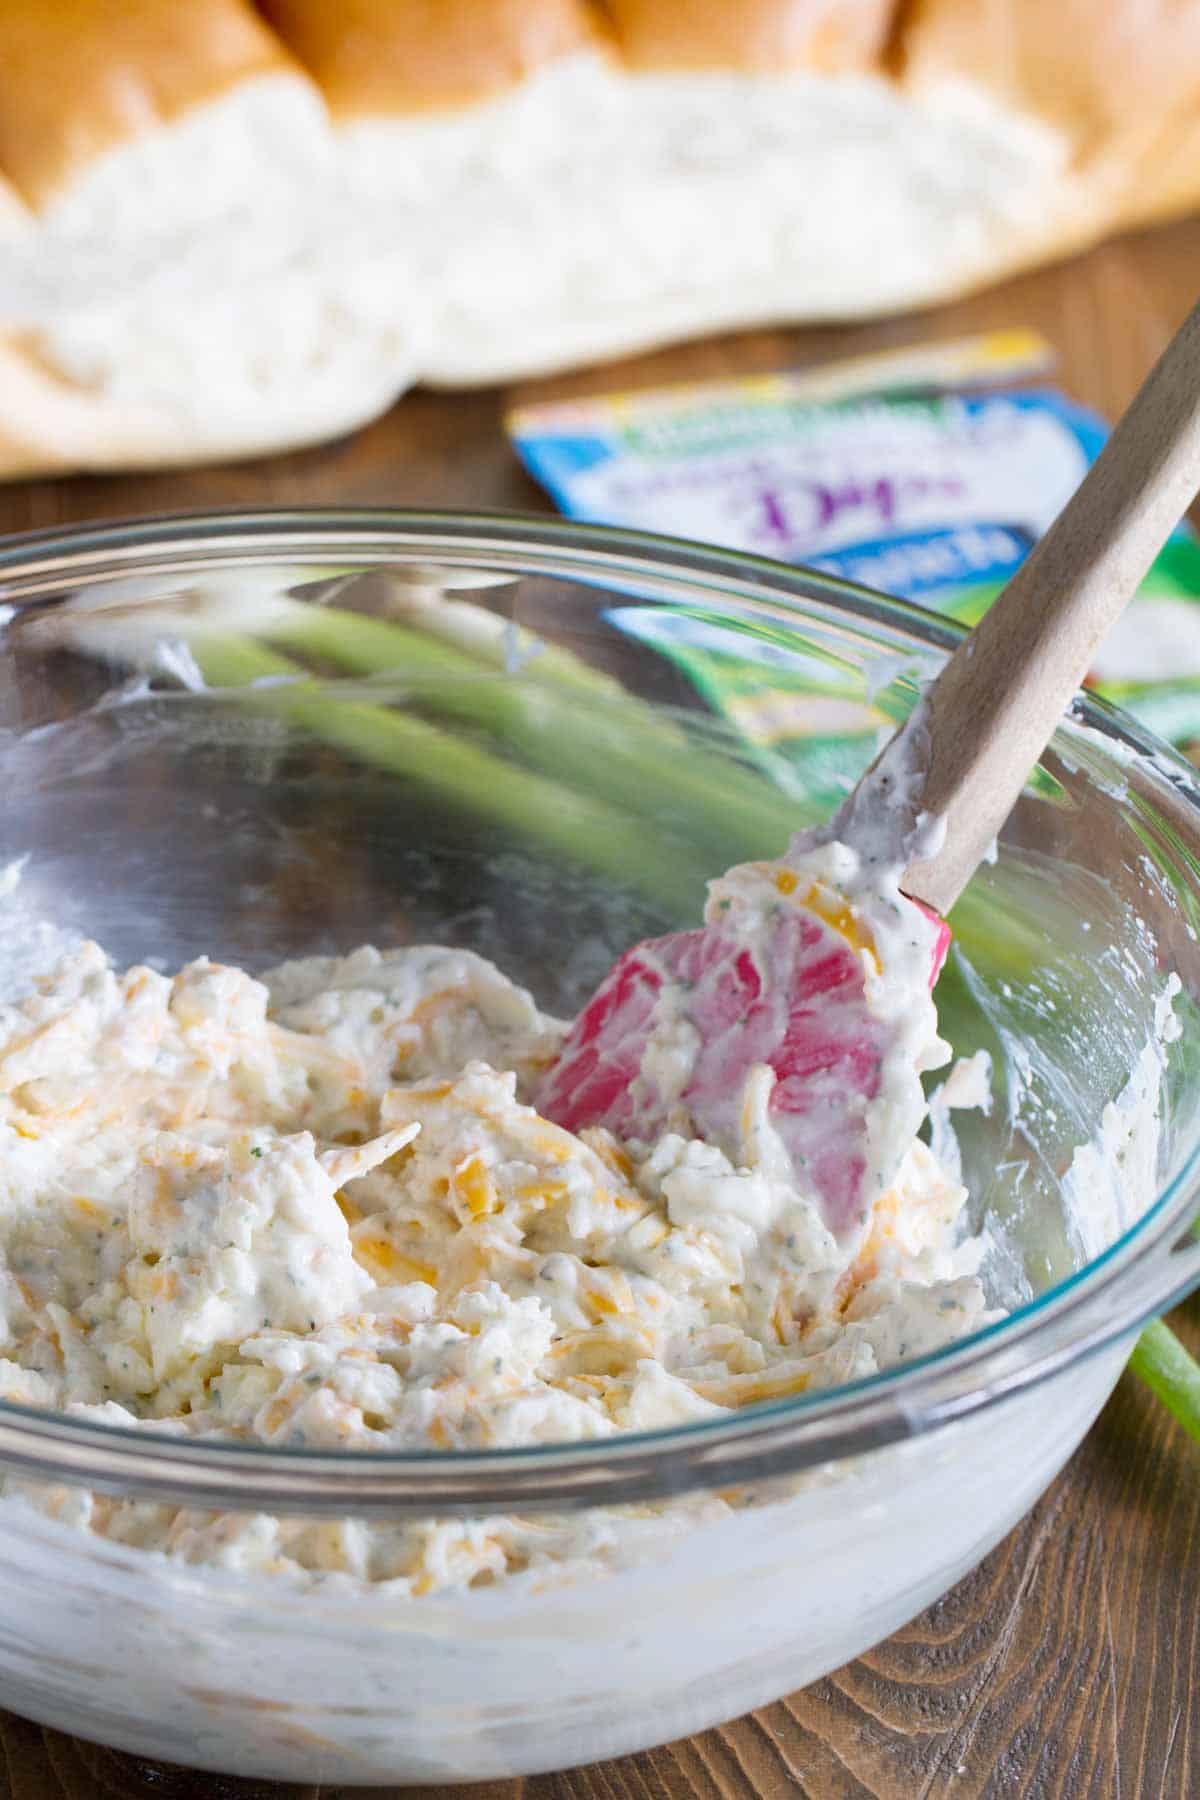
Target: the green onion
(489, 637)
(1160, 1360)
(575, 825)
(611, 746)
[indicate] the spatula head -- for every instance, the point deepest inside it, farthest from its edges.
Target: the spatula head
(670, 1037)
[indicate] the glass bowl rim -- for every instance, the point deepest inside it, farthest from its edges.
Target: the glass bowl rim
(1074, 1319)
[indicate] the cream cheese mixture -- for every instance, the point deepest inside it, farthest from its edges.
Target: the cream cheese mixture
(317, 1209)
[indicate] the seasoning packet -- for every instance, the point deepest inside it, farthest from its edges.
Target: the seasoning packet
(926, 473)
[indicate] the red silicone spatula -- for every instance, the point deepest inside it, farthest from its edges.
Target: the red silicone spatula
(796, 1001)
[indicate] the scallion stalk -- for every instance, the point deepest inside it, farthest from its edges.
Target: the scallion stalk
(578, 826)
(615, 748)
(1168, 1370)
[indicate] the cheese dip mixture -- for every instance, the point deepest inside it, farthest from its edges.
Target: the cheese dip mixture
(317, 1209)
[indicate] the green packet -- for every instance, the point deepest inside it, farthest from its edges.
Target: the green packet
(926, 473)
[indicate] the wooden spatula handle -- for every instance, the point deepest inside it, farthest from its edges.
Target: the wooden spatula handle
(995, 705)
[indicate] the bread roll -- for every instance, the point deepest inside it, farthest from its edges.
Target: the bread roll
(226, 230)
(79, 80)
(177, 300)
(1098, 70)
(1119, 82)
(141, 131)
(402, 58)
(759, 37)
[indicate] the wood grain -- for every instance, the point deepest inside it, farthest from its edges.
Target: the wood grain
(1068, 1664)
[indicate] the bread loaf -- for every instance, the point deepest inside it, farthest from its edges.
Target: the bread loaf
(227, 229)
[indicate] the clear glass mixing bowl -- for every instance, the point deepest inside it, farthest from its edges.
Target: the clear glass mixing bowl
(546, 803)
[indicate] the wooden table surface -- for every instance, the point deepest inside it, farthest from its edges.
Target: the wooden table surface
(1068, 1663)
